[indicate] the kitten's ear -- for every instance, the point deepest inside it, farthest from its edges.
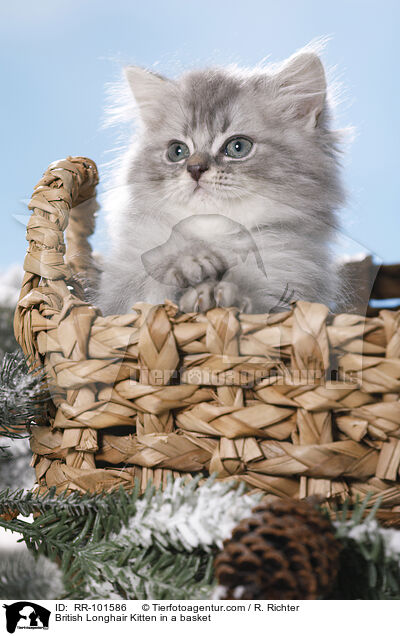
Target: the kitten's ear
(149, 90)
(303, 80)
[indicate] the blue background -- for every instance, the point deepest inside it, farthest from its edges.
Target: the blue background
(58, 56)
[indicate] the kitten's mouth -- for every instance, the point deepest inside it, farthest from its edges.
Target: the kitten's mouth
(197, 188)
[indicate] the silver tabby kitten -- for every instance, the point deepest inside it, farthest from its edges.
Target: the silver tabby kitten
(227, 157)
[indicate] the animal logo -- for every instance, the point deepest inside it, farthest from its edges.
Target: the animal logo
(26, 615)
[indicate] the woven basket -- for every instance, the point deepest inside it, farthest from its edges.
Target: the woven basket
(295, 404)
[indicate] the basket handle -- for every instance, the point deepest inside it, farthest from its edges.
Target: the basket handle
(65, 185)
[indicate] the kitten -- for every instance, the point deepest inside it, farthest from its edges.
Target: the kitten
(251, 149)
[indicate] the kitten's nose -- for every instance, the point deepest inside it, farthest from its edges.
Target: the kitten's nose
(196, 165)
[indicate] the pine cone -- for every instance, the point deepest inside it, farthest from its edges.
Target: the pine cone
(286, 550)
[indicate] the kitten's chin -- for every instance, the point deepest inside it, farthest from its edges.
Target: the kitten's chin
(205, 201)
(251, 211)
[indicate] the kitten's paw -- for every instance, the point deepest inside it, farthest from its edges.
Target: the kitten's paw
(192, 269)
(214, 294)
(199, 298)
(228, 294)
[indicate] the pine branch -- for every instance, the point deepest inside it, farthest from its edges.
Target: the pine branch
(153, 546)
(184, 515)
(162, 544)
(99, 569)
(71, 515)
(72, 504)
(22, 396)
(139, 573)
(187, 516)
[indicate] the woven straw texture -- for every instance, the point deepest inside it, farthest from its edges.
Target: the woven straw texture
(156, 393)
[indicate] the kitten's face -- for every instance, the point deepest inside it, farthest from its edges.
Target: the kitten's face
(243, 145)
(206, 151)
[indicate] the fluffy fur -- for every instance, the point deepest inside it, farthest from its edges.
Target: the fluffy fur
(285, 193)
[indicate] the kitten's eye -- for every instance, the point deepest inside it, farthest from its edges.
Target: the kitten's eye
(177, 151)
(238, 148)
